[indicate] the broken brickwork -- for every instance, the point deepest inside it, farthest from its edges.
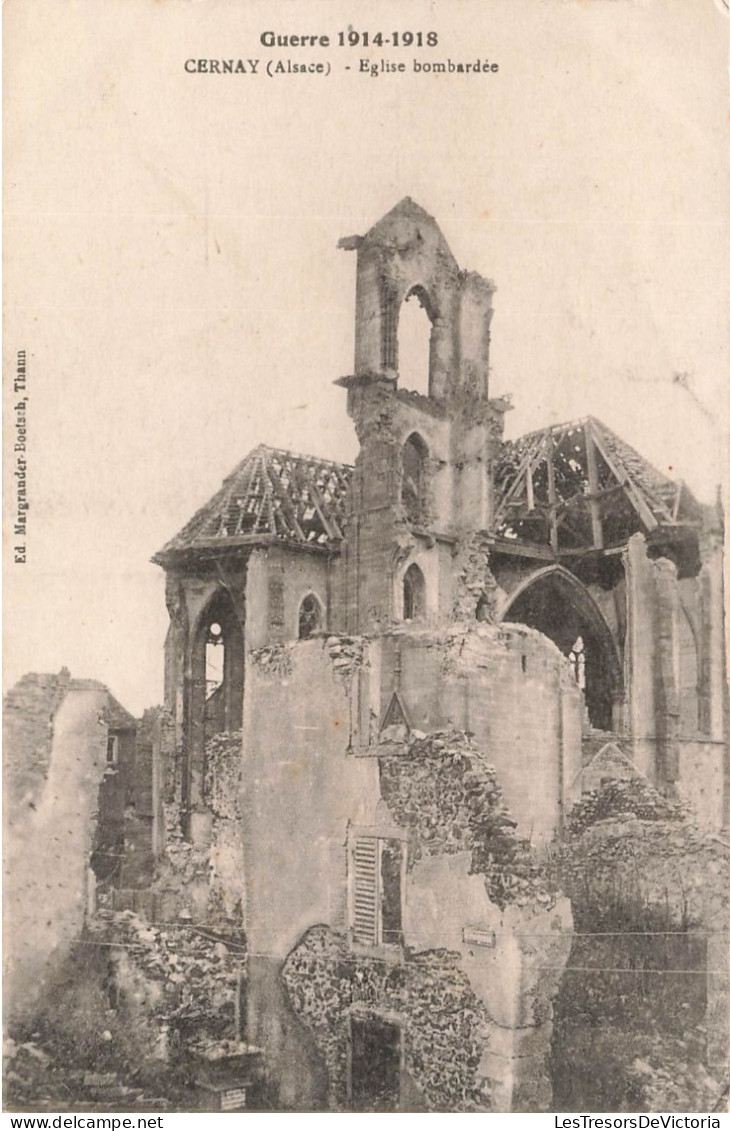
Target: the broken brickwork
(475, 589)
(444, 1025)
(444, 789)
(222, 791)
(178, 977)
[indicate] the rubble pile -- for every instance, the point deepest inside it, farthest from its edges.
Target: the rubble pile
(442, 786)
(346, 655)
(444, 1024)
(671, 1076)
(648, 853)
(273, 661)
(622, 799)
(30, 1074)
(182, 974)
(475, 586)
(651, 903)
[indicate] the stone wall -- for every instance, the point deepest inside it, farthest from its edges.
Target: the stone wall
(299, 790)
(28, 711)
(47, 904)
(507, 685)
(701, 780)
(443, 1024)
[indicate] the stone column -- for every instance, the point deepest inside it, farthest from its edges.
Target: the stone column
(640, 648)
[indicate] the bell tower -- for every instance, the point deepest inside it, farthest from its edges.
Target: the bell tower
(422, 479)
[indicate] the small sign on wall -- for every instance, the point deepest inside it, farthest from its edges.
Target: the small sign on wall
(234, 1099)
(478, 936)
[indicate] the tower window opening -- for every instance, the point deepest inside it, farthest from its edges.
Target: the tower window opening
(414, 594)
(413, 488)
(414, 343)
(310, 617)
(577, 658)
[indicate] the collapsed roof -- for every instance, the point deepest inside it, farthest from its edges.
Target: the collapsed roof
(579, 485)
(570, 487)
(271, 494)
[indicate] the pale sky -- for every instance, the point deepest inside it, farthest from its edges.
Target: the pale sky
(172, 268)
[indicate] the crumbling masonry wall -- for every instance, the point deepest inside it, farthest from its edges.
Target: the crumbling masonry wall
(444, 1025)
(443, 788)
(47, 907)
(508, 686)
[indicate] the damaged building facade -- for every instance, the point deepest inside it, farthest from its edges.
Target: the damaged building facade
(391, 690)
(429, 657)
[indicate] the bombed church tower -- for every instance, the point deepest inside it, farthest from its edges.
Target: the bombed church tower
(390, 683)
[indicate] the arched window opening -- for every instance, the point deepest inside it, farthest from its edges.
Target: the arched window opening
(213, 694)
(413, 488)
(577, 657)
(219, 664)
(560, 608)
(414, 594)
(214, 653)
(310, 617)
(414, 343)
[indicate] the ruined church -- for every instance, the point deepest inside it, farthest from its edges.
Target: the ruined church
(389, 687)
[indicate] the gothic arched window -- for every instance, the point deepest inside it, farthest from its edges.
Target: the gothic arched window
(415, 323)
(414, 594)
(310, 617)
(214, 653)
(577, 657)
(413, 489)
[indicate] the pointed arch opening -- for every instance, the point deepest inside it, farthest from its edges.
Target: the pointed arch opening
(415, 324)
(219, 651)
(310, 616)
(561, 608)
(413, 484)
(414, 594)
(214, 692)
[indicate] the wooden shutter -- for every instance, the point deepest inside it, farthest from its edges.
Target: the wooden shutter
(365, 891)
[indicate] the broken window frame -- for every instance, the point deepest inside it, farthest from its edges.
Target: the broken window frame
(365, 889)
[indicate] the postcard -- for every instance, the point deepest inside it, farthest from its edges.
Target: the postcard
(365, 436)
